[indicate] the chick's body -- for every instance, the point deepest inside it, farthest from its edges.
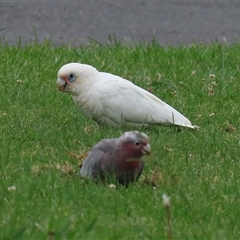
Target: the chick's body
(119, 158)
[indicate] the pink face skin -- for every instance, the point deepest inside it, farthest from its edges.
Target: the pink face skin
(65, 78)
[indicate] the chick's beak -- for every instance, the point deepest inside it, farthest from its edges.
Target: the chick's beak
(146, 149)
(62, 82)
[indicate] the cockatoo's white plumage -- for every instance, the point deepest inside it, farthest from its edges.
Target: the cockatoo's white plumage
(112, 100)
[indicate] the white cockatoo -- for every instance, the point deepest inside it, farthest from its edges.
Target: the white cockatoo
(112, 100)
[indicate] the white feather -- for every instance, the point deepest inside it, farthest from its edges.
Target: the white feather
(112, 100)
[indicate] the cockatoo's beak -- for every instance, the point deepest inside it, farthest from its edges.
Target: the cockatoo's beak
(62, 82)
(146, 149)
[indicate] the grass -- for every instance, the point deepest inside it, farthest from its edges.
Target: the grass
(199, 170)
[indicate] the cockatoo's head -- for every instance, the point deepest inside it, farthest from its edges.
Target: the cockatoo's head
(135, 144)
(73, 74)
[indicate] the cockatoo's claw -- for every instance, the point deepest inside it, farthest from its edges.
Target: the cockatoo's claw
(61, 88)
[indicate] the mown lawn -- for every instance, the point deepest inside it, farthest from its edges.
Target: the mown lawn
(42, 197)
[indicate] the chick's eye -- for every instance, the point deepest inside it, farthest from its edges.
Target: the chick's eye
(71, 78)
(137, 143)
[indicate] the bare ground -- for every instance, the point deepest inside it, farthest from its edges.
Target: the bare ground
(75, 22)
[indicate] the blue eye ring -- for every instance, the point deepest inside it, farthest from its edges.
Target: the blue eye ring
(71, 78)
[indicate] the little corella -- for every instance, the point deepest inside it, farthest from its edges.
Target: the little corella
(111, 100)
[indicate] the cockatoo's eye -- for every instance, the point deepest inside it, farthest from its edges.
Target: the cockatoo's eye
(71, 78)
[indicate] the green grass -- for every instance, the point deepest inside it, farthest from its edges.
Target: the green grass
(199, 170)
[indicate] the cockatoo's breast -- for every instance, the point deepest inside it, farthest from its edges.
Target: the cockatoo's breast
(88, 102)
(89, 97)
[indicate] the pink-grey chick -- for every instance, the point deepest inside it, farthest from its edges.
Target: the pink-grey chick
(117, 158)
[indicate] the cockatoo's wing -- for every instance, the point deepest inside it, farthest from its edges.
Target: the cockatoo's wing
(126, 102)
